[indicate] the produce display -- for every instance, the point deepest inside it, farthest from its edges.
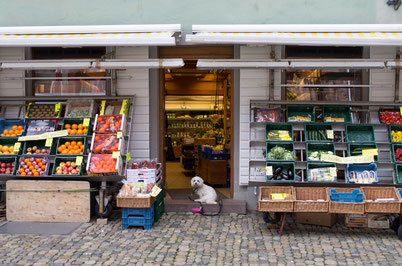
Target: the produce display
(280, 153)
(334, 119)
(365, 177)
(299, 118)
(109, 123)
(6, 167)
(278, 135)
(281, 173)
(71, 147)
(37, 150)
(319, 134)
(102, 163)
(32, 166)
(144, 164)
(67, 168)
(79, 108)
(4, 149)
(267, 115)
(322, 174)
(37, 127)
(42, 110)
(76, 129)
(390, 117)
(396, 135)
(105, 143)
(13, 132)
(398, 155)
(316, 155)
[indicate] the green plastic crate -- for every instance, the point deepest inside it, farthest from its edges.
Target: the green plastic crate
(311, 147)
(63, 140)
(40, 144)
(318, 165)
(352, 146)
(10, 141)
(310, 128)
(287, 145)
(161, 195)
(300, 110)
(396, 128)
(159, 210)
(359, 133)
(394, 148)
(398, 173)
(9, 159)
(336, 112)
(278, 126)
(77, 121)
(285, 166)
(60, 159)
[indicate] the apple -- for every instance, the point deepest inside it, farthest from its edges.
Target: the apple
(3, 165)
(62, 164)
(58, 168)
(73, 164)
(44, 151)
(8, 172)
(70, 168)
(74, 172)
(29, 150)
(2, 170)
(37, 151)
(65, 172)
(64, 168)
(68, 164)
(34, 148)
(59, 172)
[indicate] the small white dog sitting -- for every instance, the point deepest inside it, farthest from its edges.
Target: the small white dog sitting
(206, 193)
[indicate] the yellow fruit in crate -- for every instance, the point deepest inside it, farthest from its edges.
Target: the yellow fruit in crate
(11, 149)
(4, 149)
(1, 147)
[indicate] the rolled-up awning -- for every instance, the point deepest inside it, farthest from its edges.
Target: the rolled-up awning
(81, 36)
(328, 35)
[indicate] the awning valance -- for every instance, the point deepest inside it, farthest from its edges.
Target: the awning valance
(81, 36)
(352, 35)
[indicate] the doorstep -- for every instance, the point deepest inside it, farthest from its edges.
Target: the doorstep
(228, 206)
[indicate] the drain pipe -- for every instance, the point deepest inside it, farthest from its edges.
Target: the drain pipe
(397, 73)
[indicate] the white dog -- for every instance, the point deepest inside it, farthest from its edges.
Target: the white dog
(206, 193)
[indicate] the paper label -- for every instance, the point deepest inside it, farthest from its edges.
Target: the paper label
(78, 160)
(123, 106)
(86, 122)
(119, 135)
(268, 170)
(49, 142)
(369, 152)
(17, 146)
(400, 110)
(332, 171)
(330, 134)
(57, 107)
(128, 157)
(47, 135)
(346, 160)
(103, 106)
(115, 154)
(155, 191)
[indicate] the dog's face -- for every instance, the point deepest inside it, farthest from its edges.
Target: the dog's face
(197, 181)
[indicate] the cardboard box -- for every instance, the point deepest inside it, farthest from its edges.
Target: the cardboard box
(378, 221)
(356, 220)
(321, 219)
(356, 225)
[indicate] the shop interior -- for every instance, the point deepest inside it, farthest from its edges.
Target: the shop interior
(197, 129)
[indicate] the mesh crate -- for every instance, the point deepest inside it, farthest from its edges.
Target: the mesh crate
(275, 127)
(317, 132)
(398, 174)
(317, 147)
(8, 124)
(7, 146)
(34, 145)
(147, 213)
(359, 133)
(356, 149)
(10, 162)
(137, 221)
(336, 114)
(289, 146)
(81, 130)
(64, 159)
(393, 133)
(62, 141)
(311, 177)
(159, 210)
(362, 173)
(300, 113)
(285, 168)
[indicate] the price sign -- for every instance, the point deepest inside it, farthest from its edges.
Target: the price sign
(57, 107)
(268, 170)
(78, 160)
(115, 154)
(128, 157)
(330, 134)
(369, 152)
(103, 106)
(400, 110)
(332, 171)
(123, 106)
(49, 142)
(17, 146)
(86, 122)
(155, 191)
(119, 135)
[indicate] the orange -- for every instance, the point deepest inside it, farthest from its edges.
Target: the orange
(5, 131)
(80, 126)
(69, 131)
(84, 131)
(23, 173)
(11, 132)
(74, 132)
(64, 152)
(70, 152)
(67, 143)
(14, 127)
(79, 143)
(67, 126)
(20, 128)
(77, 151)
(74, 126)
(43, 167)
(80, 132)
(73, 143)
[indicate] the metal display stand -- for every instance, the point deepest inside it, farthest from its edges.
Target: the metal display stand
(17, 110)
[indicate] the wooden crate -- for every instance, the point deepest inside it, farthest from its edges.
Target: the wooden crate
(39, 205)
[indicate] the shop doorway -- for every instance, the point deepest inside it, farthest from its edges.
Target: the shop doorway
(196, 124)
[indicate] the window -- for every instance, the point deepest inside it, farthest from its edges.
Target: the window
(324, 85)
(69, 82)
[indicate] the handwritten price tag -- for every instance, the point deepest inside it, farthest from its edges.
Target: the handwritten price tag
(268, 170)
(86, 122)
(330, 134)
(369, 152)
(119, 135)
(78, 160)
(128, 157)
(123, 106)
(57, 107)
(17, 146)
(115, 154)
(332, 171)
(103, 106)
(49, 142)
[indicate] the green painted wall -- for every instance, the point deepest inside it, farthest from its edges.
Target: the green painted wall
(187, 12)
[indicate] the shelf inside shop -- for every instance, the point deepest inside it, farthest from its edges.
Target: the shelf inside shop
(189, 119)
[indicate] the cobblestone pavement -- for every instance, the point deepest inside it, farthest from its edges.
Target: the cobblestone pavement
(193, 239)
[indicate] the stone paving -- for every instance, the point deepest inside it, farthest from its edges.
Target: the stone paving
(186, 239)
